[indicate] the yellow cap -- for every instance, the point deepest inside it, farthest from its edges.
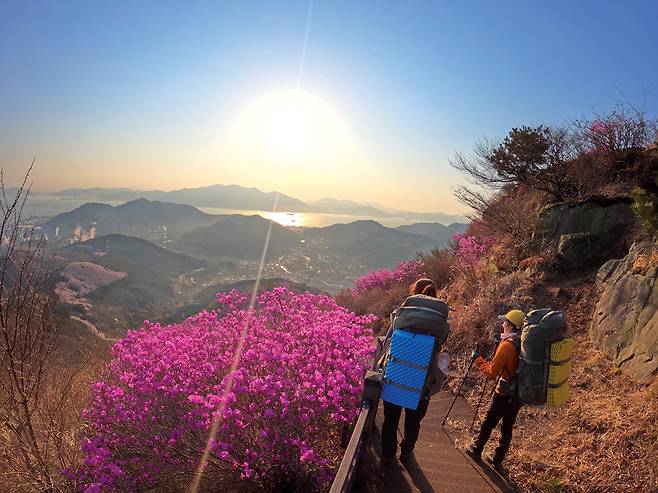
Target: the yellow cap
(517, 317)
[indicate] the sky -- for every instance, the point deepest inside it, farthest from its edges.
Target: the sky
(361, 100)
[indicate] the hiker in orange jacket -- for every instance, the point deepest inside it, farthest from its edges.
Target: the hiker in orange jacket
(504, 405)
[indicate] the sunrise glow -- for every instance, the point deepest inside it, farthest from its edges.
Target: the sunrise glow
(288, 125)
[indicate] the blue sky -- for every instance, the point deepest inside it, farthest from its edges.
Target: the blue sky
(136, 93)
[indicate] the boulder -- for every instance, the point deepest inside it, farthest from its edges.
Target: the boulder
(625, 322)
(583, 249)
(585, 233)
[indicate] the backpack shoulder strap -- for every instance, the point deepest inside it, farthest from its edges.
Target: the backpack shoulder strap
(517, 344)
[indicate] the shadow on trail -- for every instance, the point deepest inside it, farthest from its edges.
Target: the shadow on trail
(418, 476)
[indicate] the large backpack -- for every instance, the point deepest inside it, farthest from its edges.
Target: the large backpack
(544, 359)
(418, 330)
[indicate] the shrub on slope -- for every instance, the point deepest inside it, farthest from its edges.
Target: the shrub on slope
(297, 383)
(379, 291)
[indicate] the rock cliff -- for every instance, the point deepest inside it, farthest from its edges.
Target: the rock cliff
(587, 233)
(625, 322)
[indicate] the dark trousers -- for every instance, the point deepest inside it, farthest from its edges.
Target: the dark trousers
(501, 407)
(412, 421)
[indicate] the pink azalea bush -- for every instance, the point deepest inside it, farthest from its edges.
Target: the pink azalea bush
(602, 136)
(297, 384)
(469, 250)
(405, 272)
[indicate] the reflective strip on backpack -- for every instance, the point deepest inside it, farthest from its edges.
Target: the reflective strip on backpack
(409, 364)
(560, 362)
(558, 385)
(402, 386)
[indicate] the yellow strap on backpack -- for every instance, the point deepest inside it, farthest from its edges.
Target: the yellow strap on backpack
(558, 373)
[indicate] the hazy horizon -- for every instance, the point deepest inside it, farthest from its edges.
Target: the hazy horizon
(382, 205)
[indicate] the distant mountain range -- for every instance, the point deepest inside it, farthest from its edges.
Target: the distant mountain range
(123, 279)
(214, 237)
(347, 207)
(252, 199)
(157, 221)
(155, 259)
(371, 243)
(438, 232)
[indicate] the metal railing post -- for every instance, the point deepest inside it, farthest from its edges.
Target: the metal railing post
(372, 389)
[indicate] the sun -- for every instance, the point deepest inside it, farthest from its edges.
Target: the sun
(289, 139)
(288, 124)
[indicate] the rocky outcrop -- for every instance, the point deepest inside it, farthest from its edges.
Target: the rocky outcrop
(586, 233)
(583, 249)
(625, 322)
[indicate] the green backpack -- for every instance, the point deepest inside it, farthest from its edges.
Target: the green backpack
(542, 328)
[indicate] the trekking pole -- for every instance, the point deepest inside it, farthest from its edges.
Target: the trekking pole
(477, 409)
(470, 365)
(484, 387)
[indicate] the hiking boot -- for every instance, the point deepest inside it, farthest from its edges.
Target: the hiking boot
(474, 453)
(497, 465)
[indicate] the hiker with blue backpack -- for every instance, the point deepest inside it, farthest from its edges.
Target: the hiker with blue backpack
(413, 364)
(531, 366)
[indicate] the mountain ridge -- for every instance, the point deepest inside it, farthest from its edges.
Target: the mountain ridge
(237, 197)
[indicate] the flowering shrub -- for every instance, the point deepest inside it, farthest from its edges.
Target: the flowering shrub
(601, 136)
(297, 383)
(405, 272)
(469, 250)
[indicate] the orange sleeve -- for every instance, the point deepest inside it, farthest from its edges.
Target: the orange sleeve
(493, 369)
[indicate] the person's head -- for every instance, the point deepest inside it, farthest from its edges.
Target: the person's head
(512, 321)
(423, 286)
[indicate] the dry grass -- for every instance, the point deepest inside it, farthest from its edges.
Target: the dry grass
(380, 302)
(604, 439)
(57, 422)
(645, 262)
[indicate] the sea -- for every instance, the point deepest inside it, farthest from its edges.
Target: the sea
(40, 207)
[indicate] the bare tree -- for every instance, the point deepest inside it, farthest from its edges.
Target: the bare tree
(591, 156)
(537, 158)
(32, 391)
(615, 133)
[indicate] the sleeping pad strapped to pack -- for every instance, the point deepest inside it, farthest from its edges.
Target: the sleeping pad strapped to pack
(418, 330)
(544, 359)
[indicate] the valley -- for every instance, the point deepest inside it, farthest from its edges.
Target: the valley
(153, 260)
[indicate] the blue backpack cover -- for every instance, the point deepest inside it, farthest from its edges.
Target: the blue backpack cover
(407, 369)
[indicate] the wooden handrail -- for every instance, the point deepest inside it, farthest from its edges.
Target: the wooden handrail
(359, 440)
(347, 471)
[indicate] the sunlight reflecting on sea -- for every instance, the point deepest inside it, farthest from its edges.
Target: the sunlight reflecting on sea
(286, 218)
(309, 219)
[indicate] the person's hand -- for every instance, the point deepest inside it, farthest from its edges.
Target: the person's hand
(475, 353)
(443, 361)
